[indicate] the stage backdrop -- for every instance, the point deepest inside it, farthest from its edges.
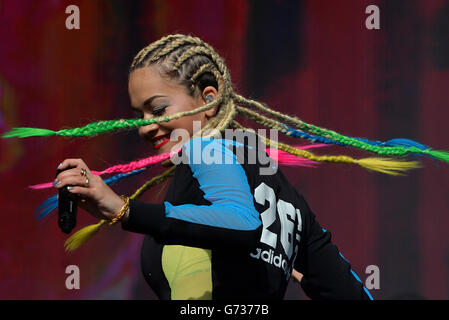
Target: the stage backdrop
(314, 59)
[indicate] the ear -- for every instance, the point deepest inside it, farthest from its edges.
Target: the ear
(212, 92)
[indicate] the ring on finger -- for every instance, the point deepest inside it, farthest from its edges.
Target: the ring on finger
(84, 174)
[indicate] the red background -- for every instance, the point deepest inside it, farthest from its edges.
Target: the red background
(314, 59)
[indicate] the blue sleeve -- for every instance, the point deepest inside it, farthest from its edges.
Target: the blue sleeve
(224, 183)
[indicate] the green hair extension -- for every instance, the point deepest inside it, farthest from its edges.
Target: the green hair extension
(100, 127)
(29, 132)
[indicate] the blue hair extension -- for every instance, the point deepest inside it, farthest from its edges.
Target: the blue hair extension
(118, 177)
(46, 207)
(400, 142)
(406, 143)
(304, 135)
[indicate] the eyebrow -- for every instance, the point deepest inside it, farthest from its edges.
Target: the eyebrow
(148, 101)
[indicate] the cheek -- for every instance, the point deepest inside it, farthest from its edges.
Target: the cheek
(185, 123)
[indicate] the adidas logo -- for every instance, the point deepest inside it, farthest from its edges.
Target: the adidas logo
(269, 257)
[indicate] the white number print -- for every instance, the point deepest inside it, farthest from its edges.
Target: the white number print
(262, 194)
(286, 211)
(287, 214)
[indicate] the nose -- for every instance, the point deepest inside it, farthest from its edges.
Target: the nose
(149, 131)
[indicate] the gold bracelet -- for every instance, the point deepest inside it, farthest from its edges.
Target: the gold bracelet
(122, 211)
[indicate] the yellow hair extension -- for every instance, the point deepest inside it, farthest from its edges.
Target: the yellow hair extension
(82, 235)
(388, 165)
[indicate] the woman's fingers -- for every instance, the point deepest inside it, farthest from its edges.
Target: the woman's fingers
(77, 163)
(77, 166)
(82, 191)
(297, 276)
(100, 200)
(74, 172)
(70, 179)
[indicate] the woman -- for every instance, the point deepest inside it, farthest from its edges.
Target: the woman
(224, 230)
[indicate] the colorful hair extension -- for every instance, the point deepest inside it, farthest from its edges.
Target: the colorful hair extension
(123, 168)
(403, 146)
(288, 159)
(394, 147)
(191, 62)
(383, 165)
(347, 141)
(282, 158)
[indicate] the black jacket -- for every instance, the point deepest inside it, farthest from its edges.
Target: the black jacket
(257, 226)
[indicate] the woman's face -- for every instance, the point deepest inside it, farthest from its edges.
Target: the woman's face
(152, 96)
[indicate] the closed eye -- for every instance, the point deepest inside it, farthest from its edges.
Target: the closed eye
(159, 111)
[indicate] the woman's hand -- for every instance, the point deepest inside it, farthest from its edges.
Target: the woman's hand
(297, 276)
(96, 197)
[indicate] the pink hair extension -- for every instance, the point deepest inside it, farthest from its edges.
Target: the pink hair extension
(280, 156)
(138, 164)
(122, 168)
(288, 159)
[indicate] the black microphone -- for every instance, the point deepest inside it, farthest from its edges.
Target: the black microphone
(67, 208)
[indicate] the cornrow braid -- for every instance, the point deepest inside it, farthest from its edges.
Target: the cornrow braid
(264, 121)
(228, 116)
(182, 49)
(204, 68)
(256, 104)
(189, 40)
(151, 47)
(200, 50)
(175, 44)
(196, 42)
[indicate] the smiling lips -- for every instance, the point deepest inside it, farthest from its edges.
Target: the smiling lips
(160, 141)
